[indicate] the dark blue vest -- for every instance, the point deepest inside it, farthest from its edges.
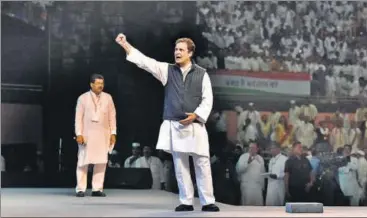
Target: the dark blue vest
(182, 96)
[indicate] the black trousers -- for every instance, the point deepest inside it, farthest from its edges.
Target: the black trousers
(298, 194)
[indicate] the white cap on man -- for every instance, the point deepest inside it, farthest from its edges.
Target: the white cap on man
(136, 144)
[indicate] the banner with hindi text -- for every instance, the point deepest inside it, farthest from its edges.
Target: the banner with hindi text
(260, 83)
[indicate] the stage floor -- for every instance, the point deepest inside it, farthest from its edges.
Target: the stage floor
(26, 202)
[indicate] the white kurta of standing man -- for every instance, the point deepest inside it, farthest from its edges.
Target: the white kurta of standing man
(173, 136)
(251, 180)
(276, 189)
(96, 127)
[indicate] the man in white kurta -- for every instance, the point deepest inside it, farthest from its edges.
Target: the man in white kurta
(239, 111)
(362, 173)
(276, 188)
(309, 110)
(338, 136)
(305, 133)
(294, 112)
(249, 133)
(187, 136)
(130, 162)
(249, 168)
(348, 178)
(95, 130)
(354, 136)
(155, 165)
(250, 113)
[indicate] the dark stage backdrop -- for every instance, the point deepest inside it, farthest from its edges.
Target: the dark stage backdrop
(82, 43)
(23, 80)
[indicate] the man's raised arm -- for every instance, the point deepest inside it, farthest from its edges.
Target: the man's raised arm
(158, 69)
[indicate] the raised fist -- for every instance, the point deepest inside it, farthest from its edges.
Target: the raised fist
(121, 39)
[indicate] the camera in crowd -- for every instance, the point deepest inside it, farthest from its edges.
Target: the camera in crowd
(331, 160)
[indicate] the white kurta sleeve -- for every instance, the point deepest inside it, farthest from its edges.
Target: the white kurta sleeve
(138, 163)
(258, 117)
(280, 170)
(362, 172)
(205, 107)
(112, 116)
(241, 121)
(79, 115)
(126, 163)
(242, 164)
(353, 164)
(158, 69)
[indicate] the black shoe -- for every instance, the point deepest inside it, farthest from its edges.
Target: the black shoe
(210, 208)
(80, 194)
(183, 207)
(98, 194)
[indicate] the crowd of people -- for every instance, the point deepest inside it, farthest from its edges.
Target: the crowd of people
(325, 39)
(321, 140)
(260, 167)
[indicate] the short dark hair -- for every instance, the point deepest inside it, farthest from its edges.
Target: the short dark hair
(296, 143)
(190, 44)
(95, 76)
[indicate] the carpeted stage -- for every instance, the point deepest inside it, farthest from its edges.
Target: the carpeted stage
(58, 202)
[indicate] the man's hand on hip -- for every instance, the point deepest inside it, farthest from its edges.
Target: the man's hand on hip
(191, 117)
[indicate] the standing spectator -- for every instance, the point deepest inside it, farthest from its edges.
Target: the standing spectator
(275, 191)
(348, 178)
(249, 168)
(294, 112)
(298, 175)
(338, 136)
(309, 110)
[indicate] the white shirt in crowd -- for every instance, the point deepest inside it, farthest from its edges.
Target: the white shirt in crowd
(251, 180)
(221, 124)
(354, 88)
(348, 181)
(305, 133)
(127, 162)
(276, 188)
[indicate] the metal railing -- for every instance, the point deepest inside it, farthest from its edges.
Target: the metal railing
(21, 87)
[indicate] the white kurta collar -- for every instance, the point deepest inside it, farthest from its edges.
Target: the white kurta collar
(95, 95)
(275, 158)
